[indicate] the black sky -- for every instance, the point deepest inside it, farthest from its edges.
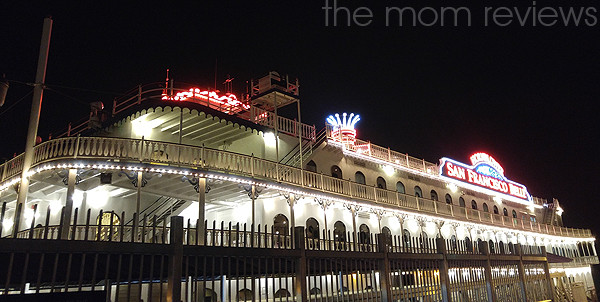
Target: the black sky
(527, 95)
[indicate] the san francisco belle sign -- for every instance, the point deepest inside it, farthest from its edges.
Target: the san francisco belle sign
(486, 173)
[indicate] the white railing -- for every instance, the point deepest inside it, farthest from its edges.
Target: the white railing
(366, 148)
(144, 151)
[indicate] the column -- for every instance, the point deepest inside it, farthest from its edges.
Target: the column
(68, 210)
(201, 209)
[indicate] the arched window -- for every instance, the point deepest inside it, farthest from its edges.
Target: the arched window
(381, 183)
(400, 187)
(336, 172)
(505, 212)
(312, 228)
(423, 242)
(339, 234)
(448, 199)
(485, 207)
(468, 244)
(107, 221)
(514, 214)
(364, 236)
(315, 291)
(359, 177)
(418, 191)
(311, 166)
(385, 230)
(501, 245)
(433, 195)
(453, 243)
(282, 293)
(491, 245)
(281, 225)
(244, 295)
(496, 210)
(406, 238)
(473, 205)
(461, 202)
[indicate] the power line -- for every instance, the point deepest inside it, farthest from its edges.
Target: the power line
(15, 103)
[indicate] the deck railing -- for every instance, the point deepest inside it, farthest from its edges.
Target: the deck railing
(120, 151)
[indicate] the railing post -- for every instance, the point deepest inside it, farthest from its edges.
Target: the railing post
(443, 267)
(489, 286)
(300, 291)
(76, 146)
(175, 260)
(519, 252)
(252, 165)
(139, 94)
(384, 267)
(4, 170)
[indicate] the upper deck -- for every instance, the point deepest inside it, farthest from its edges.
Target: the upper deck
(144, 155)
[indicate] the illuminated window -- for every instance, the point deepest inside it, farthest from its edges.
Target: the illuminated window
(433, 195)
(281, 225)
(400, 187)
(381, 183)
(448, 199)
(339, 234)
(359, 177)
(418, 191)
(485, 207)
(336, 172)
(108, 221)
(461, 202)
(496, 210)
(473, 205)
(311, 166)
(505, 211)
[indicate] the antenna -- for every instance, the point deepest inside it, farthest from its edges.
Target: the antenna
(228, 84)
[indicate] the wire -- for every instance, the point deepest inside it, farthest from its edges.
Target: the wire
(15, 103)
(68, 96)
(85, 89)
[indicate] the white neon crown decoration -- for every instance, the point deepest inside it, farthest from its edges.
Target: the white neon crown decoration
(345, 124)
(343, 129)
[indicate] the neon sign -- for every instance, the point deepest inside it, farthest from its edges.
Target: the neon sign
(485, 172)
(343, 129)
(228, 103)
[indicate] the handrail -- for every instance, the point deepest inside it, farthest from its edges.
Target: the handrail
(145, 151)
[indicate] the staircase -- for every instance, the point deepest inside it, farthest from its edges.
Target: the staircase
(294, 158)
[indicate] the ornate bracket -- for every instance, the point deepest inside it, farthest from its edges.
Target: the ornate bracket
(401, 217)
(378, 212)
(134, 179)
(194, 181)
(354, 208)
(64, 174)
(248, 189)
(324, 203)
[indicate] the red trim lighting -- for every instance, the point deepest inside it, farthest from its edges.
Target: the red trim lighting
(228, 103)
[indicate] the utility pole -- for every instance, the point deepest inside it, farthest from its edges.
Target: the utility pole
(34, 117)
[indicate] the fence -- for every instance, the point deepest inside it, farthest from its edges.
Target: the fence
(225, 262)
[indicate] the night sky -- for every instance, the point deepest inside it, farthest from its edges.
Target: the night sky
(527, 95)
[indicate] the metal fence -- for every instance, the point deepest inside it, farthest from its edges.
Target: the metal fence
(178, 261)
